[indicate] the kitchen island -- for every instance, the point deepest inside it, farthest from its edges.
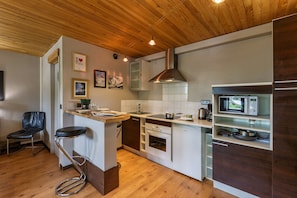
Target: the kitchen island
(99, 147)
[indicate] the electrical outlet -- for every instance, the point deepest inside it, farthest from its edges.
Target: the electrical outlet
(205, 102)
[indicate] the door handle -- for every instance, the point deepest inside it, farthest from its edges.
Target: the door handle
(135, 119)
(285, 81)
(220, 144)
(285, 89)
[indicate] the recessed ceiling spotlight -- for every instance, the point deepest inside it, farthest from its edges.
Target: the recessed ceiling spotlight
(218, 1)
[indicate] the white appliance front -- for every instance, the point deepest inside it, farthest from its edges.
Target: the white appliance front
(158, 147)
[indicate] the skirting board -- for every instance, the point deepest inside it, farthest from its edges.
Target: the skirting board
(231, 190)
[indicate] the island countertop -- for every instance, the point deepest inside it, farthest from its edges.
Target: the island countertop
(105, 119)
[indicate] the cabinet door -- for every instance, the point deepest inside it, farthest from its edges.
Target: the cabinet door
(139, 75)
(285, 48)
(187, 150)
(285, 144)
(245, 168)
(135, 74)
(131, 133)
(285, 108)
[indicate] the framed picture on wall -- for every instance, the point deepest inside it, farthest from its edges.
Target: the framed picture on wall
(79, 88)
(116, 81)
(100, 78)
(79, 62)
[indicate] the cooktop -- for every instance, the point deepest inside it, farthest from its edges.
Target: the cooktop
(162, 116)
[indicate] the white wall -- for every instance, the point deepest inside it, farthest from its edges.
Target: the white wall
(97, 58)
(100, 59)
(244, 61)
(239, 57)
(22, 90)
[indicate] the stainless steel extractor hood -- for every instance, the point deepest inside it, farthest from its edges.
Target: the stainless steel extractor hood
(171, 73)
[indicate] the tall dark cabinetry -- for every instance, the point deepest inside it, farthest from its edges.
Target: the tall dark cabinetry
(285, 107)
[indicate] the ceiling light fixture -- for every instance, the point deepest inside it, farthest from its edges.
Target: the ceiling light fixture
(125, 59)
(160, 20)
(218, 1)
(152, 41)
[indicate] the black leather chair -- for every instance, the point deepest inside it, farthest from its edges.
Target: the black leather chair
(32, 123)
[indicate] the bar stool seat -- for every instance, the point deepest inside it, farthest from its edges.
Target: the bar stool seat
(70, 131)
(75, 184)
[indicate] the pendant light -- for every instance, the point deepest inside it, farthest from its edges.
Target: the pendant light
(125, 59)
(152, 41)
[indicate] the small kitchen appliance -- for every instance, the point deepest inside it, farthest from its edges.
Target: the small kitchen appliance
(202, 114)
(245, 105)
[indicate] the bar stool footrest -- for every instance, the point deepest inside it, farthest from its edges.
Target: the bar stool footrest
(71, 186)
(75, 157)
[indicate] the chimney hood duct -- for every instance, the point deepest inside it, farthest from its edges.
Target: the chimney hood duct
(171, 73)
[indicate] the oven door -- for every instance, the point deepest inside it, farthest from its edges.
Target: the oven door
(158, 144)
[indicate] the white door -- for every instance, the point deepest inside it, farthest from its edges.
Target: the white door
(57, 109)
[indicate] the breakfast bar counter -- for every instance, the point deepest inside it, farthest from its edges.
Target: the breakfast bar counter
(119, 117)
(99, 147)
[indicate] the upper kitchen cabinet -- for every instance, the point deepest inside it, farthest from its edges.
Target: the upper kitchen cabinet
(139, 75)
(285, 49)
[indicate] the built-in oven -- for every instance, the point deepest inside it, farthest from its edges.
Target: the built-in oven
(158, 141)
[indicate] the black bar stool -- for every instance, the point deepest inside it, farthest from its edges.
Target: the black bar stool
(75, 184)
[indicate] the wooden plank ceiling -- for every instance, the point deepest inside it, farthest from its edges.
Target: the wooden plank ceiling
(126, 26)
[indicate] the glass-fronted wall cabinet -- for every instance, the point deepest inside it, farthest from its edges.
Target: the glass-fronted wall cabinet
(139, 75)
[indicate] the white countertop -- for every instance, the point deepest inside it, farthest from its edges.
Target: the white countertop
(194, 122)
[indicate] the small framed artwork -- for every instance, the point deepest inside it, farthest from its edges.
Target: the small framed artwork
(79, 62)
(99, 78)
(79, 88)
(115, 82)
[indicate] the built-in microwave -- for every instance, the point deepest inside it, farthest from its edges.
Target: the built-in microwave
(245, 105)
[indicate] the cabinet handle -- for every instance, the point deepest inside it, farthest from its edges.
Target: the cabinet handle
(285, 81)
(135, 119)
(220, 144)
(285, 89)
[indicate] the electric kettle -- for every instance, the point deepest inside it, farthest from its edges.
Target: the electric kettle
(202, 114)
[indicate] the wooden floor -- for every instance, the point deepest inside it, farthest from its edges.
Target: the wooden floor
(22, 175)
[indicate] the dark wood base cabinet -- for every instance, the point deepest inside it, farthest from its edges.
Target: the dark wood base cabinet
(131, 133)
(285, 144)
(245, 168)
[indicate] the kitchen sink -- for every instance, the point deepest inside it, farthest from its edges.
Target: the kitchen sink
(139, 113)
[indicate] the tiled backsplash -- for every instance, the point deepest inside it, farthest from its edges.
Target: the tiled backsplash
(174, 100)
(175, 92)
